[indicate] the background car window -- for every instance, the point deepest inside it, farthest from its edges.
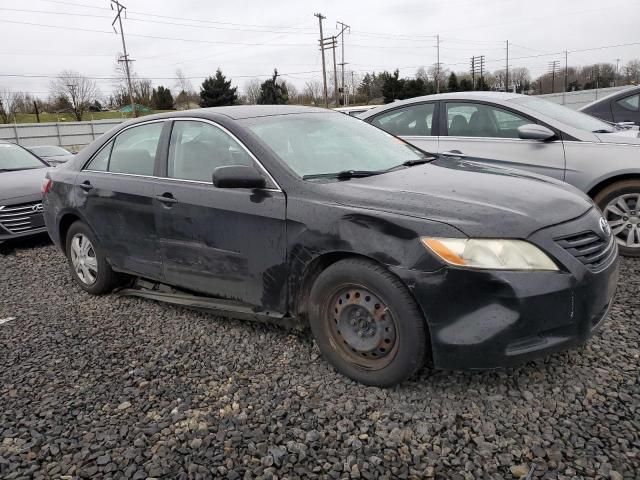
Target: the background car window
(101, 161)
(412, 120)
(196, 149)
(630, 103)
(134, 150)
(477, 120)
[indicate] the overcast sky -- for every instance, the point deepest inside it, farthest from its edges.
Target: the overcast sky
(248, 38)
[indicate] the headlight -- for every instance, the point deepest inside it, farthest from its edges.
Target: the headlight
(489, 253)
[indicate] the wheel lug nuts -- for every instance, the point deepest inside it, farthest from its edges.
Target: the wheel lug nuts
(625, 218)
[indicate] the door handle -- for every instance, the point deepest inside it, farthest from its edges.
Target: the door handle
(86, 186)
(454, 153)
(166, 198)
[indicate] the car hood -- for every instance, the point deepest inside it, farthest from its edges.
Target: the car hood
(21, 183)
(477, 199)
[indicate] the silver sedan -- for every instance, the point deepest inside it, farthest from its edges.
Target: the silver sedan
(529, 133)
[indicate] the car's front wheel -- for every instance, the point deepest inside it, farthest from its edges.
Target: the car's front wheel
(620, 205)
(89, 266)
(366, 323)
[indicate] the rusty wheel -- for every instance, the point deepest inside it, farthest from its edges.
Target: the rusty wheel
(366, 323)
(363, 328)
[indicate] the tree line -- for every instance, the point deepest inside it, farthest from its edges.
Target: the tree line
(74, 93)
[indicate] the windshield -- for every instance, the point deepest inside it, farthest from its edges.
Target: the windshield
(574, 119)
(49, 151)
(13, 157)
(318, 143)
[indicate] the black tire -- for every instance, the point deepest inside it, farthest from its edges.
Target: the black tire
(608, 194)
(395, 337)
(105, 278)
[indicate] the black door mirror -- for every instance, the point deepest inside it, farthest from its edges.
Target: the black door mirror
(532, 131)
(238, 176)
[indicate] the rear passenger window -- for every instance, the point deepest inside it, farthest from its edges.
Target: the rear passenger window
(630, 103)
(134, 150)
(412, 120)
(100, 162)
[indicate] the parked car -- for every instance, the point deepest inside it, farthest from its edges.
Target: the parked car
(52, 154)
(21, 176)
(304, 216)
(619, 107)
(355, 111)
(524, 132)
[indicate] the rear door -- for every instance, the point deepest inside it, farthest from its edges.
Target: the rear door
(489, 133)
(414, 123)
(627, 109)
(115, 193)
(224, 242)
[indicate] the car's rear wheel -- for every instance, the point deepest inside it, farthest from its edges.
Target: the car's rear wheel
(87, 261)
(366, 323)
(620, 205)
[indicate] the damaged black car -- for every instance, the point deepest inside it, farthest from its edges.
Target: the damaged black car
(305, 217)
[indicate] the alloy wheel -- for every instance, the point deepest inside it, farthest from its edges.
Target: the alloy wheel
(623, 215)
(83, 259)
(362, 328)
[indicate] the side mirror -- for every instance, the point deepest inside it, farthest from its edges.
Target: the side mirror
(532, 131)
(238, 176)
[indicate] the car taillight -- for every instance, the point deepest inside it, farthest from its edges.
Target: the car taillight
(46, 186)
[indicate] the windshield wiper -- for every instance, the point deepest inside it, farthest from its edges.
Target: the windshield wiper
(10, 169)
(344, 174)
(418, 161)
(602, 130)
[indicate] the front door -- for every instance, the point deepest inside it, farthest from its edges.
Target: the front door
(489, 134)
(228, 243)
(116, 190)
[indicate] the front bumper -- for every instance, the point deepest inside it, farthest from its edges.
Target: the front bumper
(483, 319)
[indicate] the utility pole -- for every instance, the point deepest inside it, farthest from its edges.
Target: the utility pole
(566, 76)
(344, 27)
(125, 57)
(553, 66)
(506, 72)
(615, 78)
(334, 44)
(473, 72)
(477, 66)
(481, 72)
(324, 69)
(438, 63)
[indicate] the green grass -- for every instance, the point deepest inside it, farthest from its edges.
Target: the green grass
(67, 117)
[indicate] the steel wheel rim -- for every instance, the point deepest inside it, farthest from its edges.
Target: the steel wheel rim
(362, 328)
(623, 215)
(83, 259)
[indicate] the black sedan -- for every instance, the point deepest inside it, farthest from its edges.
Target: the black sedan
(619, 107)
(303, 216)
(21, 176)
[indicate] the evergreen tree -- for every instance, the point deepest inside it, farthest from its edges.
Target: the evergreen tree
(272, 92)
(452, 84)
(481, 84)
(393, 87)
(466, 85)
(414, 88)
(217, 91)
(161, 98)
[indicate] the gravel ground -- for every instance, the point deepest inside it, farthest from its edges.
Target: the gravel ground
(115, 387)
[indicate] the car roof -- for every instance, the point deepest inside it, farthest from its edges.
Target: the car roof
(235, 112)
(499, 97)
(612, 96)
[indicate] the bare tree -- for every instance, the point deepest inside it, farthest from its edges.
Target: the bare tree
(421, 74)
(632, 71)
(8, 105)
(185, 89)
(441, 73)
(313, 90)
(252, 91)
(78, 90)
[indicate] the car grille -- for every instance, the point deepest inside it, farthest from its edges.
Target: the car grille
(588, 247)
(22, 217)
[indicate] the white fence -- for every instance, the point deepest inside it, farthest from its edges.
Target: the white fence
(71, 135)
(575, 100)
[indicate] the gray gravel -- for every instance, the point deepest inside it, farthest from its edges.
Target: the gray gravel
(115, 387)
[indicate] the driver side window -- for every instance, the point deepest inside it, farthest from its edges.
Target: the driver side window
(196, 149)
(478, 120)
(416, 120)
